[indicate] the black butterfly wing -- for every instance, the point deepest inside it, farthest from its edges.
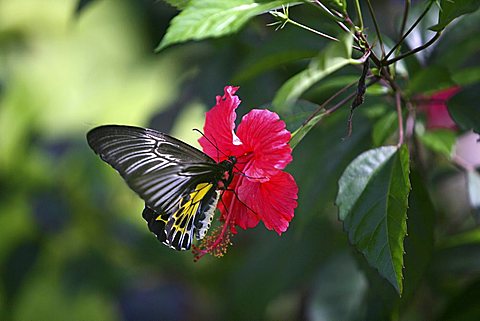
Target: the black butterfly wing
(176, 230)
(177, 181)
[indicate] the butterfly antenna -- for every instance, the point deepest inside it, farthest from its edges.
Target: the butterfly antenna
(214, 145)
(251, 177)
(238, 198)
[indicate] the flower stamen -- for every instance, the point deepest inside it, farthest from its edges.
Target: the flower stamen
(218, 241)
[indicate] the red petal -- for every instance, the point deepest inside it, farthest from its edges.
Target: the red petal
(439, 117)
(265, 136)
(219, 126)
(445, 94)
(242, 216)
(436, 109)
(273, 201)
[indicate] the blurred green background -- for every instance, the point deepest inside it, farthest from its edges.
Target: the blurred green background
(73, 245)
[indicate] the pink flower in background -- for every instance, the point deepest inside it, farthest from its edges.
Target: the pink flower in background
(260, 190)
(467, 150)
(435, 107)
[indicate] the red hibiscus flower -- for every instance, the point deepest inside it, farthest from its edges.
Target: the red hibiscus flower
(436, 109)
(260, 190)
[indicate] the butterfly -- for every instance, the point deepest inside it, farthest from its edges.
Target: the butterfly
(180, 184)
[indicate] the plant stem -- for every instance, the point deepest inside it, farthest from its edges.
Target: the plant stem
(413, 51)
(386, 76)
(409, 30)
(338, 19)
(405, 17)
(335, 15)
(377, 29)
(410, 124)
(326, 102)
(359, 14)
(340, 104)
(398, 104)
(358, 37)
(312, 30)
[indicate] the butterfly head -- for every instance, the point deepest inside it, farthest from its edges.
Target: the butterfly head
(229, 164)
(232, 160)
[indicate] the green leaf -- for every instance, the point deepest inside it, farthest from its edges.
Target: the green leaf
(441, 141)
(467, 76)
(214, 18)
(465, 110)
(307, 122)
(381, 300)
(469, 237)
(269, 62)
(452, 9)
(459, 45)
(473, 182)
(295, 117)
(339, 5)
(419, 244)
(384, 128)
(428, 80)
(377, 90)
(372, 202)
(332, 84)
(317, 181)
(300, 133)
(334, 57)
(179, 4)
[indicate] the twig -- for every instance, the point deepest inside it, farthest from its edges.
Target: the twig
(326, 102)
(413, 51)
(377, 29)
(410, 123)
(386, 76)
(334, 14)
(406, 10)
(298, 135)
(398, 104)
(340, 104)
(313, 30)
(284, 18)
(358, 10)
(409, 30)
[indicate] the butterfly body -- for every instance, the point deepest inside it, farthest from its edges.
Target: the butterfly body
(180, 184)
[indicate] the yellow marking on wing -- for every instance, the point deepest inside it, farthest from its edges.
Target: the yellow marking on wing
(200, 191)
(190, 207)
(160, 218)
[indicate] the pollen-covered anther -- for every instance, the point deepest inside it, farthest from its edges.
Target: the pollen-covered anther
(216, 243)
